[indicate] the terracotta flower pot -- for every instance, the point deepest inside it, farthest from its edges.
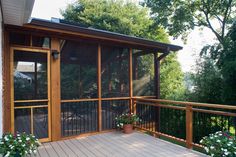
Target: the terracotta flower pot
(128, 128)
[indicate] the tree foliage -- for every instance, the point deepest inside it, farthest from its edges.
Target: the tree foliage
(131, 19)
(172, 84)
(181, 16)
(215, 79)
(115, 16)
(207, 82)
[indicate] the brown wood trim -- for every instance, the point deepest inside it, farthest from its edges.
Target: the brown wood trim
(32, 120)
(6, 84)
(30, 47)
(215, 112)
(197, 145)
(79, 100)
(162, 134)
(42, 140)
(116, 98)
(144, 97)
(164, 106)
(87, 134)
(28, 101)
(96, 99)
(20, 107)
(99, 66)
(12, 89)
(194, 104)
(55, 92)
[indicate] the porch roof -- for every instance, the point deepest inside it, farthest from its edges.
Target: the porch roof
(65, 27)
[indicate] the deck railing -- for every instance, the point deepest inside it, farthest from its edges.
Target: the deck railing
(185, 122)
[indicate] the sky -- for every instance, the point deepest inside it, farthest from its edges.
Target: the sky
(45, 9)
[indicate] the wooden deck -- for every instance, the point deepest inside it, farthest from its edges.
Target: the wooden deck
(115, 144)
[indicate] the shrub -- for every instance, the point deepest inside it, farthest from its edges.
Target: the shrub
(18, 145)
(220, 144)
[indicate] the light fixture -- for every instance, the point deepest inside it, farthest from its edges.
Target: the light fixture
(55, 54)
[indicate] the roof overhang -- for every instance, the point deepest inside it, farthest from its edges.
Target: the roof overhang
(16, 12)
(57, 27)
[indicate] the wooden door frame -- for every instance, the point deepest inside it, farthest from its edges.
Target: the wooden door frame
(34, 50)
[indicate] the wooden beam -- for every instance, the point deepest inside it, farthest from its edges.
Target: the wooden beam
(6, 85)
(131, 79)
(99, 89)
(55, 92)
(189, 127)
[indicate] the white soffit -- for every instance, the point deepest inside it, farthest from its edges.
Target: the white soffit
(16, 12)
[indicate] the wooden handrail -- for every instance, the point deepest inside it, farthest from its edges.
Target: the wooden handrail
(195, 104)
(190, 108)
(164, 106)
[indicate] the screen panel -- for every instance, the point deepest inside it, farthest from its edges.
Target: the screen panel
(115, 72)
(143, 73)
(22, 120)
(78, 70)
(30, 75)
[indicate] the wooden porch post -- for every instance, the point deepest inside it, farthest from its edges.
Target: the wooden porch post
(6, 85)
(157, 88)
(132, 109)
(99, 89)
(189, 127)
(55, 93)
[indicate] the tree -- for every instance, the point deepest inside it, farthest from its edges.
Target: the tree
(172, 79)
(181, 16)
(115, 16)
(126, 18)
(227, 66)
(207, 82)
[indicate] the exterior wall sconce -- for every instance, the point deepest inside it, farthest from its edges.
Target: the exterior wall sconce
(55, 54)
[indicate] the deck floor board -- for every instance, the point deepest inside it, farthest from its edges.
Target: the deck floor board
(115, 144)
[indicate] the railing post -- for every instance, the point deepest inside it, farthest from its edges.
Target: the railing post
(134, 106)
(189, 126)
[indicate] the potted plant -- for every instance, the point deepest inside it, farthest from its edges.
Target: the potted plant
(18, 145)
(220, 144)
(126, 121)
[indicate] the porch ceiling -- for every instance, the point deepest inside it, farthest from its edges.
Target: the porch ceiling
(16, 12)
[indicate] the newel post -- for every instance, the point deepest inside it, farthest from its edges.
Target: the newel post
(189, 126)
